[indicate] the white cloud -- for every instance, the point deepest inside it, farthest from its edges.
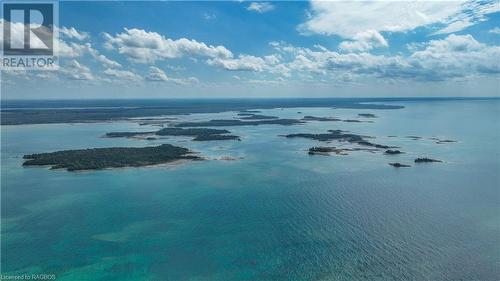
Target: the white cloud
(495, 30)
(347, 19)
(122, 74)
(72, 33)
(147, 47)
(260, 7)
(246, 63)
(364, 41)
(209, 16)
(456, 56)
(74, 50)
(76, 71)
(158, 75)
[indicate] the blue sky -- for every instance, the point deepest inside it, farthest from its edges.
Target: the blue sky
(250, 49)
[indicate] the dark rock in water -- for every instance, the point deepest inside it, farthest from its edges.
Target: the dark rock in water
(112, 157)
(399, 165)
(299, 112)
(367, 115)
(414, 137)
(150, 138)
(314, 118)
(127, 134)
(392, 152)
(351, 121)
(445, 141)
(426, 160)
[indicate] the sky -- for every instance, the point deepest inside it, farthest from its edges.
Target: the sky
(245, 49)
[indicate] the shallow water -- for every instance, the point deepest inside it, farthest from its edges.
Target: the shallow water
(276, 214)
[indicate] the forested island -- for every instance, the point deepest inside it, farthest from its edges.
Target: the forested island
(236, 122)
(112, 157)
(199, 134)
(338, 135)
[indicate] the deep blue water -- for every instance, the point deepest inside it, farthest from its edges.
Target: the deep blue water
(275, 214)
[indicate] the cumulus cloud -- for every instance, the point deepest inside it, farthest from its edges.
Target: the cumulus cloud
(72, 33)
(456, 56)
(347, 19)
(260, 7)
(364, 41)
(122, 74)
(76, 71)
(495, 30)
(147, 47)
(245, 63)
(74, 50)
(158, 75)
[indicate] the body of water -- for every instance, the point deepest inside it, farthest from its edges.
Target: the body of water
(276, 213)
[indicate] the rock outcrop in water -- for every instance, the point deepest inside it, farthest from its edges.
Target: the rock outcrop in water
(426, 160)
(399, 165)
(392, 151)
(314, 118)
(367, 115)
(112, 157)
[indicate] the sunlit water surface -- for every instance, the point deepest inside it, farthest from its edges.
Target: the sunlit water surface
(275, 214)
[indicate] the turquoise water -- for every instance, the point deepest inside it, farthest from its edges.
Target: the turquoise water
(275, 214)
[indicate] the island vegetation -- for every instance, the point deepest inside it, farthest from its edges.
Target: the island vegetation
(15, 113)
(426, 160)
(326, 150)
(236, 122)
(393, 151)
(199, 134)
(399, 165)
(112, 157)
(314, 118)
(367, 115)
(339, 135)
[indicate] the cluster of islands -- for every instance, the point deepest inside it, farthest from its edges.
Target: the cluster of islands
(116, 157)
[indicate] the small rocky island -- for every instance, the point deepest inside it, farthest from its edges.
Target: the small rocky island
(426, 160)
(392, 152)
(314, 118)
(399, 165)
(367, 115)
(112, 157)
(339, 135)
(251, 116)
(326, 150)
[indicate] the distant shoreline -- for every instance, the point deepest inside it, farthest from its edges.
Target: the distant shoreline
(19, 112)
